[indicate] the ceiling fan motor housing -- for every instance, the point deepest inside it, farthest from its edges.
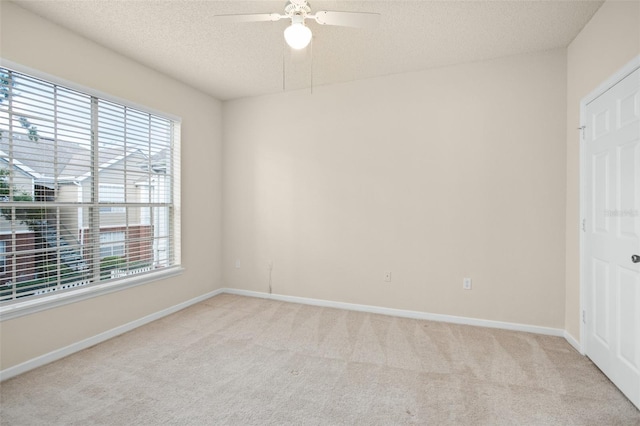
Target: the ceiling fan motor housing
(297, 7)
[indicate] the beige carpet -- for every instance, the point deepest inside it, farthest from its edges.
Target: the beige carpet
(247, 361)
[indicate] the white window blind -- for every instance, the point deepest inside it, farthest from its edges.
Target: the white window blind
(111, 194)
(86, 189)
(2, 256)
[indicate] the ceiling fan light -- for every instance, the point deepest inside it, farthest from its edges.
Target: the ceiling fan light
(297, 35)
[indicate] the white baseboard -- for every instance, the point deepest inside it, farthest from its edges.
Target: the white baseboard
(573, 342)
(86, 343)
(404, 313)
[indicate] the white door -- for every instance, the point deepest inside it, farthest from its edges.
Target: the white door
(612, 234)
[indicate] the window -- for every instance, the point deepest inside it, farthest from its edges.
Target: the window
(112, 244)
(88, 186)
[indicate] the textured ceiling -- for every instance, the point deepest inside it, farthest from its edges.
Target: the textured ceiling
(179, 38)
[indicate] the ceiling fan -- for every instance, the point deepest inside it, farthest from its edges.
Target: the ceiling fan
(298, 35)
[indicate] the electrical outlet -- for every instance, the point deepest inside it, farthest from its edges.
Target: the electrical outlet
(466, 284)
(237, 263)
(387, 277)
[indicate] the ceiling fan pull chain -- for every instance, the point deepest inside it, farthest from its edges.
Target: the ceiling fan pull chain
(311, 47)
(283, 67)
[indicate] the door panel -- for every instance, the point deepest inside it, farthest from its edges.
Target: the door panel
(629, 109)
(628, 157)
(601, 192)
(601, 296)
(629, 293)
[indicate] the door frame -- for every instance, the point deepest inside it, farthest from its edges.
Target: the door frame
(614, 79)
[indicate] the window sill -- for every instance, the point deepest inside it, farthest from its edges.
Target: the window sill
(16, 310)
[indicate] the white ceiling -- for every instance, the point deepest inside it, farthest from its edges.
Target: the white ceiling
(179, 38)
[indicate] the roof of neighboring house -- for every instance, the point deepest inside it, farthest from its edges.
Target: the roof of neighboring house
(34, 157)
(158, 163)
(25, 170)
(73, 160)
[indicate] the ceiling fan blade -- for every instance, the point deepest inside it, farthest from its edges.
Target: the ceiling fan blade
(347, 19)
(248, 17)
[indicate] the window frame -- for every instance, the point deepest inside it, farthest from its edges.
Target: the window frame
(30, 305)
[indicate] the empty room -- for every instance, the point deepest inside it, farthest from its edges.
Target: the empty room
(320, 213)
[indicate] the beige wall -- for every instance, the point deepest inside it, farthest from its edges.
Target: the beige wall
(435, 176)
(606, 44)
(36, 43)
